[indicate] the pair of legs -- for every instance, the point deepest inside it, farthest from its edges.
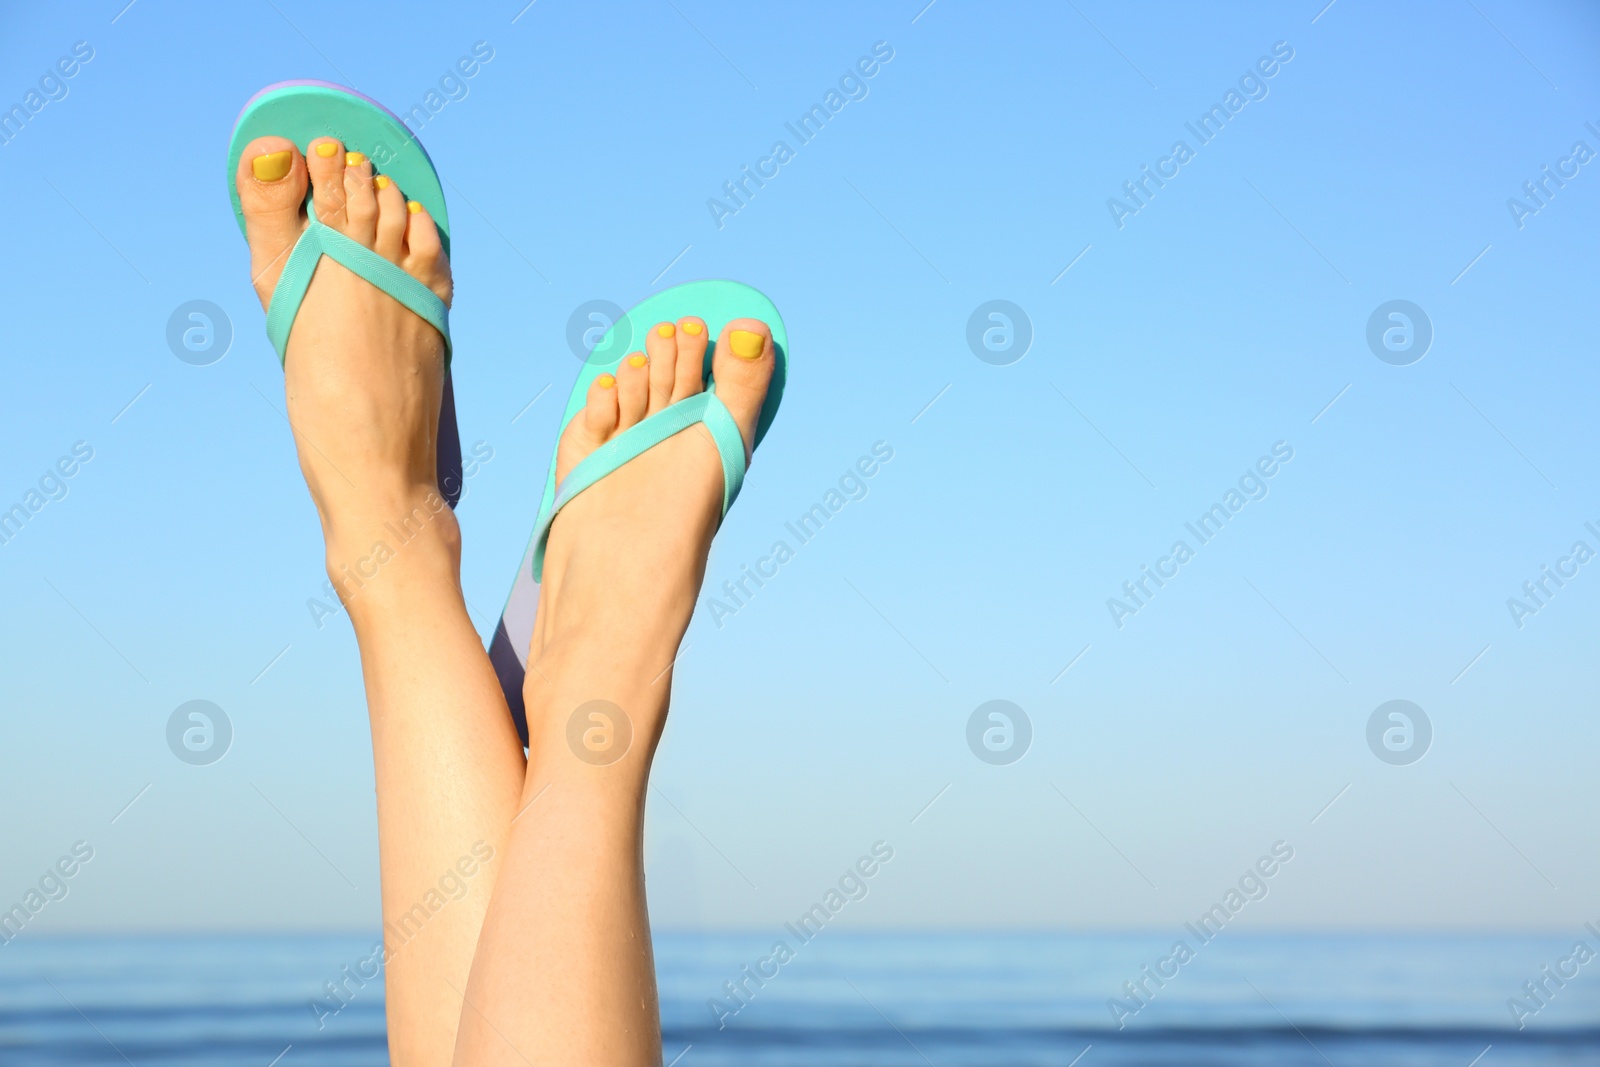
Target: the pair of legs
(547, 958)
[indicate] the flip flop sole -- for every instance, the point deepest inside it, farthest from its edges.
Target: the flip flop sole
(304, 110)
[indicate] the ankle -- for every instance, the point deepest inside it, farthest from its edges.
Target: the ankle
(632, 661)
(581, 676)
(386, 551)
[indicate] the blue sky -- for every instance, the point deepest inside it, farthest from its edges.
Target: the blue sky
(1168, 354)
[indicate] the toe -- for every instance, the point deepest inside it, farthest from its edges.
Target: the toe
(390, 242)
(742, 368)
(272, 187)
(689, 377)
(600, 409)
(662, 344)
(360, 199)
(633, 389)
(424, 256)
(325, 160)
(590, 428)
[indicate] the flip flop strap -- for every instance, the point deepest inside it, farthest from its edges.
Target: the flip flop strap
(319, 240)
(706, 408)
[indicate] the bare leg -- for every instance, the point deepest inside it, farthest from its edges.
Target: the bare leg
(363, 380)
(564, 973)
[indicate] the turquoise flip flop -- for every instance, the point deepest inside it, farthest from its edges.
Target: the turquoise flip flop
(303, 111)
(716, 302)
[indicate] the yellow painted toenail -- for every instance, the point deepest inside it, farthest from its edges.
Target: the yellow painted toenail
(272, 166)
(326, 149)
(606, 381)
(692, 329)
(354, 159)
(636, 360)
(381, 181)
(746, 345)
(413, 207)
(666, 329)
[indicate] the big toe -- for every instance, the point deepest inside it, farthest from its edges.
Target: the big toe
(742, 365)
(272, 188)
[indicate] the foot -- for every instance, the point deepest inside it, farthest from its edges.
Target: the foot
(362, 373)
(626, 557)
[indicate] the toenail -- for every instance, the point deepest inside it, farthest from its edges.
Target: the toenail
(666, 329)
(692, 329)
(636, 360)
(413, 207)
(326, 149)
(606, 381)
(381, 181)
(272, 166)
(747, 345)
(354, 159)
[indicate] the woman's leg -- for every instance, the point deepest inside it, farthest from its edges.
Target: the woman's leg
(564, 973)
(363, 377)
